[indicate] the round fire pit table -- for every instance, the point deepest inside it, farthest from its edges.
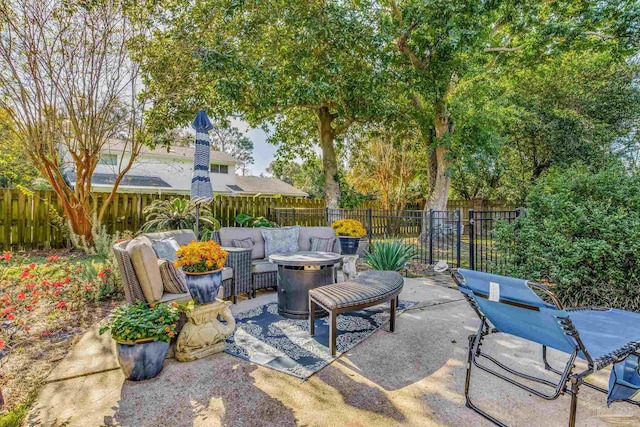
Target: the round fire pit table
(297, 273)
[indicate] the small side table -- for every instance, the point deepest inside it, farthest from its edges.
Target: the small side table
(204, 334)
(349, 266)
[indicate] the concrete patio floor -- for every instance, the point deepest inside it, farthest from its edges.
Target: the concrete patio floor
(413, 377)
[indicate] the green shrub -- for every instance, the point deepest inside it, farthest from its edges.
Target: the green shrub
(390, 255)
(177, 214)
(582, 234)
(246, 220)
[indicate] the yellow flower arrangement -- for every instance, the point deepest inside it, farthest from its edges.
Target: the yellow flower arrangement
(349, 228)
(201, 257)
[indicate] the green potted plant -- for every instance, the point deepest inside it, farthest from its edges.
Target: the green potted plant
(349, 231)
(142, 333)
(202, 263)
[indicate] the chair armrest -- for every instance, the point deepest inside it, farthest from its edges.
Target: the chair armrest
(216, 237)
(239, 260)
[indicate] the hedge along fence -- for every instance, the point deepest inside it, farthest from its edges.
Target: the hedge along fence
(28, 221)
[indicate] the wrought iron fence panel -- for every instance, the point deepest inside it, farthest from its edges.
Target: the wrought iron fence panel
(436, 235)
(482, 253)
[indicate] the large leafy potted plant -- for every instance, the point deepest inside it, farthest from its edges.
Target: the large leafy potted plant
(142, 333)
(349, 231)
(202, 263)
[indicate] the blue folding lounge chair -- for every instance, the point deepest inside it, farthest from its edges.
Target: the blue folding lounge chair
(600, 336)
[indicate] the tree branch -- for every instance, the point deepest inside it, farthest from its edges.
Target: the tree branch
(404, 49)
(344, 126)
(503, 49)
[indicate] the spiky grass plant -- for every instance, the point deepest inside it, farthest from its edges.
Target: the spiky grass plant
(389, 255)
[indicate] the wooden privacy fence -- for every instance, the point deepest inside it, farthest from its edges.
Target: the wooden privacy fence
(28, 221)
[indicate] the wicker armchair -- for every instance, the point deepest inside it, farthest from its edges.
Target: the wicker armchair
(239, 260)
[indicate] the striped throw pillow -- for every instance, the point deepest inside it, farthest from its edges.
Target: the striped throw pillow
(243, 243)
(319, 244)
(173, 279)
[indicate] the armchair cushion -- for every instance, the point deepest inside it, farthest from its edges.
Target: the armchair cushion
(145, 265)
(181, 236)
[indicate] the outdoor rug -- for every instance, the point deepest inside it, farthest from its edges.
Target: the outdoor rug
(265, 338)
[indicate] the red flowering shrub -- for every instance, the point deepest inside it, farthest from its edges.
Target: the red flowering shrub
(43, 295)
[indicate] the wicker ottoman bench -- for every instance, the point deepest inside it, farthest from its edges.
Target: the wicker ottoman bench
(368, 289)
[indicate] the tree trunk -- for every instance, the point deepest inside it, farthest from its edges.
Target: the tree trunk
(439, 181)
(329, 163)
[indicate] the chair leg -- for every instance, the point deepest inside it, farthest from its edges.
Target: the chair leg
(574, 401)
(333, 330)
(312, 317)
(392, 316)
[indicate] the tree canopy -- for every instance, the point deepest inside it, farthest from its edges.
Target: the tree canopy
(306, 69)
(498, 92)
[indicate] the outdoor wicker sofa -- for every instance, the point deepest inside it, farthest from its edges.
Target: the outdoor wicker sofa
(264, 274)
(236, 274)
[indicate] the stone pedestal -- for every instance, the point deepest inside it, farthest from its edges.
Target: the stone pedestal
(204, 334)
(349, 266)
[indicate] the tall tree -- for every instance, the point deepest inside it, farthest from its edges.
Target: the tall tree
(294, 65)
(68, 84)
(387, 162)
(306, 175)
(13, 169)
(230, 140)
(445, 46)
(575, 107)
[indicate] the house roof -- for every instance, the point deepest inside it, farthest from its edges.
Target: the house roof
(261, 185)
(174, 152)
(127, 180)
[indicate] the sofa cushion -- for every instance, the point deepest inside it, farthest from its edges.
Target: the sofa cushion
(228, 234)
(181, 236)
(323, 245)
(173, 279)
(165, 248)
(243, 243)
(280, 240)
(263, 266)
(306, 233)
(145, 264)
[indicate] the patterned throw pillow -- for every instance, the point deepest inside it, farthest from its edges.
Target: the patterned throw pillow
(173, 278)
(243, 243)
(322, 245)
(165, 248)
(280, 240)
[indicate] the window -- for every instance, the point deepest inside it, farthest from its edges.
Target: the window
(219, 168)
(108, 159)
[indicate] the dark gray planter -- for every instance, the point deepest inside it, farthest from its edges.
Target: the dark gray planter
(349, 245)
(204, 287)
(142, 361)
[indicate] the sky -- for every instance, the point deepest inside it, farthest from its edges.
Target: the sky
(263, 152)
